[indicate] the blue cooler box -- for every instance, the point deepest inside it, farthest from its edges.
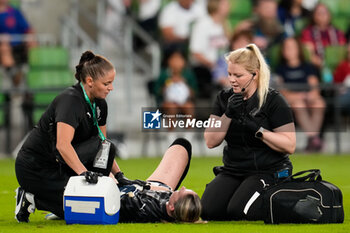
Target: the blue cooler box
(86, 203)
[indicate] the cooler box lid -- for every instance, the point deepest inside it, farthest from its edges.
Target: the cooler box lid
(105, 187)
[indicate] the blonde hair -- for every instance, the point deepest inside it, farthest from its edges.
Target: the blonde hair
(187, 208)
(252, 60)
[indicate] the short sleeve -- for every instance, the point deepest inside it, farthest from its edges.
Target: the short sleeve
(69, 110)
(198, 42)
(166, 18)
(279, 111)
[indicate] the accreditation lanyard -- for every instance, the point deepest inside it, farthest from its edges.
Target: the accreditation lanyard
(93, 108)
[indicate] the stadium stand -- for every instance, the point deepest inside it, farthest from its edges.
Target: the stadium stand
(48, 74)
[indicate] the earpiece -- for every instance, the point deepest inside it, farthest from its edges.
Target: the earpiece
(248, 83)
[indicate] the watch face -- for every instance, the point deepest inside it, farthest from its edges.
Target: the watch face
(258, 134)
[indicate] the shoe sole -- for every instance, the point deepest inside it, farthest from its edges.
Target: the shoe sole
(18, 204)
(20, 195)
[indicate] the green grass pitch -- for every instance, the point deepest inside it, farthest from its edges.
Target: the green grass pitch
(334, 169)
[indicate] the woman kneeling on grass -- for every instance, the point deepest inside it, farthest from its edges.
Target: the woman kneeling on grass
(157, 201)
(258, 126)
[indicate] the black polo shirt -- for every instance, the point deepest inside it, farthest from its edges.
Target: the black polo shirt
(145, 206)
(71, 108)
(244, 153)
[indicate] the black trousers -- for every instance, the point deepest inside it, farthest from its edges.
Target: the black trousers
(230, 197)
(47, 181)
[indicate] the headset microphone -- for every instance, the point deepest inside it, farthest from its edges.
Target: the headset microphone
(248, 83)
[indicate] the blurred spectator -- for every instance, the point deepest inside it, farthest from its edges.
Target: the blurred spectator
(320, 34)
(147, 18)
(13, 47)
(175, 22)
(265, 26)
(114, 21)
(238, 40)
(176, 86)
(300, 87)
(293, 16)
(309, 4)
(342, 76)
(208, 42)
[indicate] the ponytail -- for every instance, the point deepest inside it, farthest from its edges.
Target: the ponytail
(251, 59)
(92, 65)
(264, 74)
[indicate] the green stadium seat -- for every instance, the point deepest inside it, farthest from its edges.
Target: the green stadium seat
(48, 57)
(46, 84)
(235, 20)
(332, 5)
(334, 55)
(240, 9)
(273, 56)
(343, 8)
(341, 22)
(15, 3)
(42, 78)
(48, 75)
(300, 24)
(338, 7)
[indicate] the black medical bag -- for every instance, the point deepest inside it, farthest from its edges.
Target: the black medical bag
(303, 198)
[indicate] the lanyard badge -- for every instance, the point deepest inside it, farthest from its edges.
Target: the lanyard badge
(101, 159)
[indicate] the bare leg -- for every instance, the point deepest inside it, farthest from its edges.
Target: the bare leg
(317, 109)
(298, 103)
(174, 164)
(6, 58)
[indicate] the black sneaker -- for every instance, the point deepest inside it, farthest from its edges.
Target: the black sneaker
(24, 205)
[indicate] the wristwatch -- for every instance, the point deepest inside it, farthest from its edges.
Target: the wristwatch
(259, 133)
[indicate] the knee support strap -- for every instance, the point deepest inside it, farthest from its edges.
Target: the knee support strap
(185, 143)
